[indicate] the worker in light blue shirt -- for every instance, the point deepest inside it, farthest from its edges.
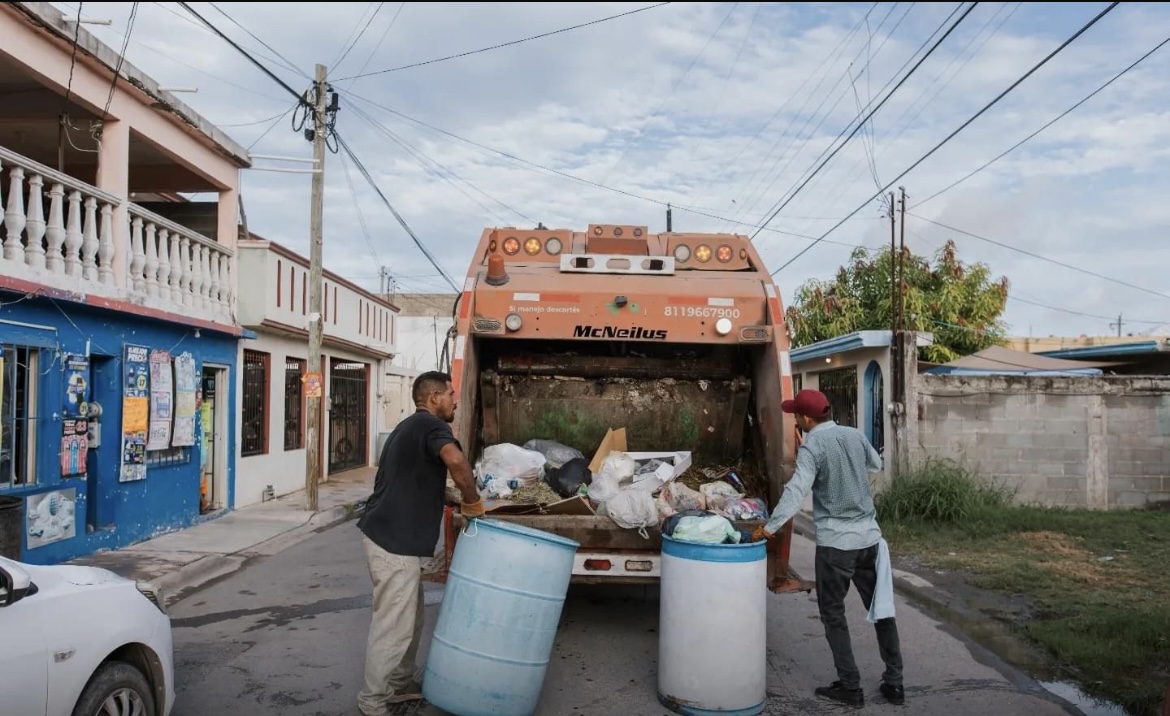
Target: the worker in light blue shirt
(834, 462)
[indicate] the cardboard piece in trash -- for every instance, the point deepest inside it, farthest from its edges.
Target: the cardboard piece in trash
(575, 505)
(613, 440)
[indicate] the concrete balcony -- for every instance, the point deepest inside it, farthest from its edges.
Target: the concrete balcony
(64, 234)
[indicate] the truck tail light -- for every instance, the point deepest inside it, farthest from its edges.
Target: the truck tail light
(598, 565)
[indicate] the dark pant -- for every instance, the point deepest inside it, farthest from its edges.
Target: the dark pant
(835, 569)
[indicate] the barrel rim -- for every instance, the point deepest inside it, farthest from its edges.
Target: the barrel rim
(525, 531)
(742, 552)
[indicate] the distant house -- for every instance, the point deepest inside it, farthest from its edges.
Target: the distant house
(359, 334)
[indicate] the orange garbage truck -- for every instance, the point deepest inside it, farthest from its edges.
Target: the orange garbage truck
(677, 338)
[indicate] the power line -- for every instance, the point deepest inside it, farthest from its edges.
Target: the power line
(1053, 121)
(867, 118)
(402, 222)
(673, 89)
(121, 59)
(251, 34)
(385, 33)
(353, 44)
(72, 57)
(1057, 262)
(953, 134)
(506, 44)
(572, 177)
(242, 51)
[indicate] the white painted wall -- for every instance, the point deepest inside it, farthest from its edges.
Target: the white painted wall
(285, 469)
(420, 341)
(274, 288)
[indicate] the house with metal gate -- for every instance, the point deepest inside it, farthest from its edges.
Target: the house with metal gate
(275, 378)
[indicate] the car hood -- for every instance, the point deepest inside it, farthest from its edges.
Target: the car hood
(45, 576)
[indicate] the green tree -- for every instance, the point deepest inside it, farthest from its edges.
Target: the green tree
(960, 304)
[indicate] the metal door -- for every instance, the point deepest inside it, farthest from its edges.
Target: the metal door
(348, 417)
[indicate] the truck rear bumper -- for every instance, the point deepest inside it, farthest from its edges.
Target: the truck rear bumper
(615, 556)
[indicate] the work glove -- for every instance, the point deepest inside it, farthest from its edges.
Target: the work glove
(760, 534)
(472, 509)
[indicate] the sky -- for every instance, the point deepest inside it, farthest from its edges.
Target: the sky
(727, 111)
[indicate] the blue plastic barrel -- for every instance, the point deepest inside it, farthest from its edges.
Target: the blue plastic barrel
(712, 628)
(505, 591)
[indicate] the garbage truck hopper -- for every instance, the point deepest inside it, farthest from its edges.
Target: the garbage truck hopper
(677, 338)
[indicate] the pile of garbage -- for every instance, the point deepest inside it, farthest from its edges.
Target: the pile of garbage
(636, 490)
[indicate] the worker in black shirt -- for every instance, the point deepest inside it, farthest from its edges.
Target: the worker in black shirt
(400, 527)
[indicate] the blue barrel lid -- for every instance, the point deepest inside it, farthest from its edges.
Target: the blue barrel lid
(524, 531)
(699, 552)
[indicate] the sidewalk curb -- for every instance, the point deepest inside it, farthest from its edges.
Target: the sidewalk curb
(209, 568)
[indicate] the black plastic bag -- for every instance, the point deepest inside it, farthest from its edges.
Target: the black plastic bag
(569, 478)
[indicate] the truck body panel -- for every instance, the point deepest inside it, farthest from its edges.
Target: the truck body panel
(678, 338)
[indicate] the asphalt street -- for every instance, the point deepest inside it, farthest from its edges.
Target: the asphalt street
(286, 636)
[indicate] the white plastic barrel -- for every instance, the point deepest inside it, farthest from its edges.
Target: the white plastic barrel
(712, 628)
(501, 608)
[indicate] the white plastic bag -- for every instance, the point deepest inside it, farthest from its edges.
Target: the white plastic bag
(508, 466)
(709, 529)
(619, 465)
(633, 509)
(603, 488)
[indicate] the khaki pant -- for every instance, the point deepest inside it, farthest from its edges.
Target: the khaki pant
(395, 629)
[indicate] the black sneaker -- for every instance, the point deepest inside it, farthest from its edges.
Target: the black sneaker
(837, 692)
(894, 694)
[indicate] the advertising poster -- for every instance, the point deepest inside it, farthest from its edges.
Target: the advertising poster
(135, 412)
(76, 385)
(50, 517)
(186, 389)
(74, 447)
(162, 399)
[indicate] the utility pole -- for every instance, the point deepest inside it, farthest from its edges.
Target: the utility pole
(316, 320)
(1117, 325)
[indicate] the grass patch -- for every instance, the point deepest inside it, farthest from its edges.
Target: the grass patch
(1098, 579)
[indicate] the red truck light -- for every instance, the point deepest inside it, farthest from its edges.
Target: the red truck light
(598, 565)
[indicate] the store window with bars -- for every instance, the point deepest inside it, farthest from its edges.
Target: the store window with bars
(255, 408)
(18, 415)
(294, 405)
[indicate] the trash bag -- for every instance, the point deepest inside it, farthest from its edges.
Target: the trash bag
(746, 508)
(671, 522)
(620, 465)
(633, 509)
(708, 529)
(568, 479)
(555, 454)
(603, 488)
(683, 498)
(506, 467)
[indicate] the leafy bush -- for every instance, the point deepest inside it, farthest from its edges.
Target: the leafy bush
(939, 491)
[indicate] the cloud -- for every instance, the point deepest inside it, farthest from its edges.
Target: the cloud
(732, 131)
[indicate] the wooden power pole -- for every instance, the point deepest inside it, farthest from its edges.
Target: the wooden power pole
(316, 319)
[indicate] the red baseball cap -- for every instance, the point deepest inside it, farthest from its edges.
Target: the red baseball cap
(809, 403)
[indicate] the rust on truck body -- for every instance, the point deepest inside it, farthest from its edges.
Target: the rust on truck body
(678, 337)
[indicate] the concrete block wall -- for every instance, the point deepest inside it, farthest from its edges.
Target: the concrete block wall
(1079, 442)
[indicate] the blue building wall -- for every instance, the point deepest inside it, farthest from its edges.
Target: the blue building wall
(110, 514)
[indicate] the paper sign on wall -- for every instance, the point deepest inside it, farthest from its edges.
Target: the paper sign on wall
(135, 412)
(186, 389)
(162, 400)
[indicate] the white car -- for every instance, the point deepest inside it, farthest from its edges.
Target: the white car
(82, 641)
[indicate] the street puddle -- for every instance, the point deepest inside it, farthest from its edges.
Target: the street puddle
(1087, 705)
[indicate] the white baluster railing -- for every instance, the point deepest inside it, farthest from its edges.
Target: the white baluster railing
(175, 264)
(75, 239)
(61, 231)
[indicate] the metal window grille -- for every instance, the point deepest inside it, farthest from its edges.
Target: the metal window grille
(168, 457)
(255, 409)
(294, 413)
(840, 387)
(18, 418)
